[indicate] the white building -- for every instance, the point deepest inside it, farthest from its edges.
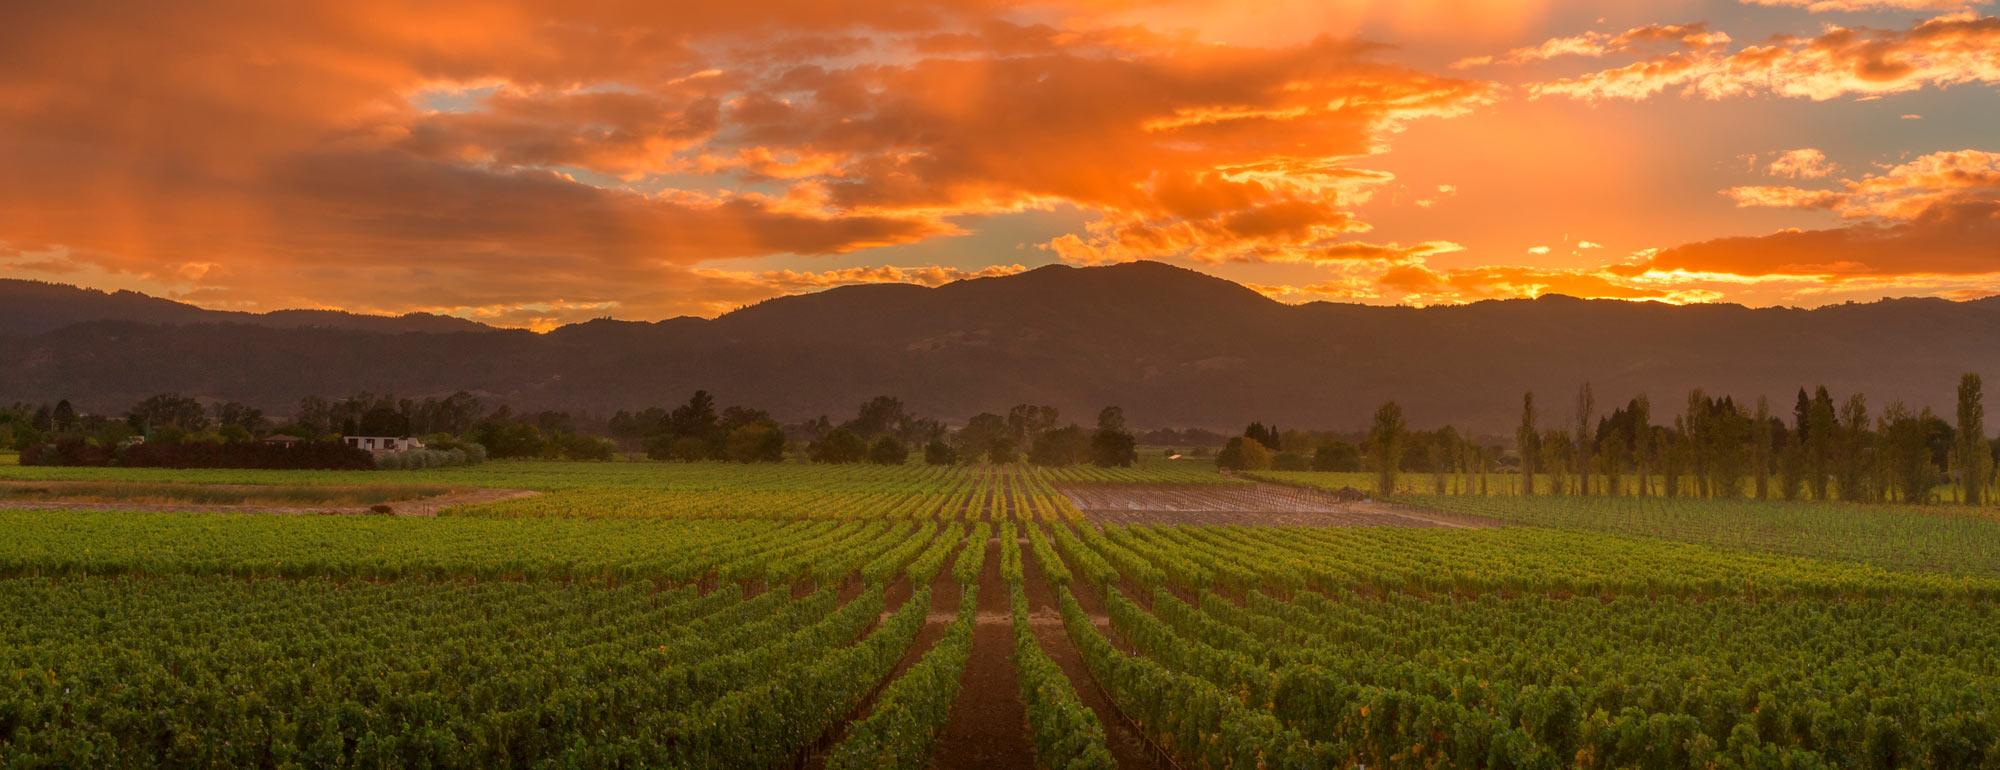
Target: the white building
(380, 444)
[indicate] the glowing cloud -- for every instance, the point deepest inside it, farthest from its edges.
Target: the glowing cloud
(1943, 51)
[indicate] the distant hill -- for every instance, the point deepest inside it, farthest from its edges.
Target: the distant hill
(35, 307)
(1174, 347)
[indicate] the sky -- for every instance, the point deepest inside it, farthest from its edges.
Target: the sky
(539, 162)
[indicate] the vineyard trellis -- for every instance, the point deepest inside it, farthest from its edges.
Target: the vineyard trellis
(1597, 632)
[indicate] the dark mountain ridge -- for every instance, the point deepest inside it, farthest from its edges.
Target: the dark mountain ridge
(1172, 346)
(35, 307)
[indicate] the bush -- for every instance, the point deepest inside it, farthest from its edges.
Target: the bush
(475, 452)
(939, 453)
(418, 459)
(1336, 456)
(1243, 454)
(68, 450)
(578, 446)
(756, 442)
(323, 455)
(840, 446)
(1291, 461)
(687, 449)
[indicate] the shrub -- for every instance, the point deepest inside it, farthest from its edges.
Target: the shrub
(756, 442)
(578, 446)
(840, 446)
(417, 459)
(68, 450)
(324, 455)
(1242, 454)
(1336, 456)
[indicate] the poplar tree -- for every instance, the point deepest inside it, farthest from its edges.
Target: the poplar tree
(1851, 453)
(1642, 440)
(1728, 434)
(1791, 466)
(1443, 456)
(1694, 430)
(1906, 445)
(1524, 441)
(1385, 447)
(1673, 456)
(1975, 457)
(1556, 452)
(1586, 406)
(1760, 450)
(1820, 426)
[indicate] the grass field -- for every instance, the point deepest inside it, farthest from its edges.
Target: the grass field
(640, 614)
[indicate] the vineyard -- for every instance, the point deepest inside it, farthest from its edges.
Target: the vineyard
(651, 615)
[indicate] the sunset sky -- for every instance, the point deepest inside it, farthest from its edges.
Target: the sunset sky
(542, 162)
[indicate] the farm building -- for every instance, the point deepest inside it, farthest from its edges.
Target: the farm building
(381, 444)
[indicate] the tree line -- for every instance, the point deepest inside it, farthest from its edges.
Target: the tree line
(882, 431)
(1716, 447)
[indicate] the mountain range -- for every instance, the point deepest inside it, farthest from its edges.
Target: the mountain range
(1174, 347)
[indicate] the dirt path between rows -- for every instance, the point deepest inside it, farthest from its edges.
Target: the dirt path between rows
(944, 593)
(1251, 504)
(429, 506)
(988, 727)
(1128, 747)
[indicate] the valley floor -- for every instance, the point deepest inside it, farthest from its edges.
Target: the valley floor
(632, 614)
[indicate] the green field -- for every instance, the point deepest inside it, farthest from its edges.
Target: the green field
(1925, 538)
(710, 615)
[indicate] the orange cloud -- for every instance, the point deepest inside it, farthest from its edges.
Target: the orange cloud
(1942, 51)
(1802, 163)
(1775, 196)
(1823, 6)
(529, 156)
(1936, 215)
(793, 281)
(1906, 191)
(1691, 37)
(532, 163)
(1954, 238)
(1418, 284)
